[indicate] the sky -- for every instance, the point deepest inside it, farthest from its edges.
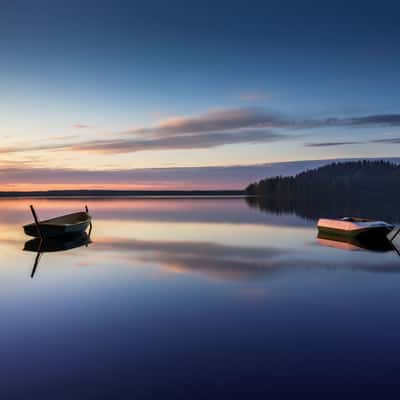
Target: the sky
(192, 94)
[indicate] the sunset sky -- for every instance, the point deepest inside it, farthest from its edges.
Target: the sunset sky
(192, 94)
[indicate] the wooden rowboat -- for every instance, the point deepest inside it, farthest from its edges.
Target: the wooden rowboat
(69, 224)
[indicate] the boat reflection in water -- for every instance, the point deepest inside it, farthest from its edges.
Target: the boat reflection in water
(382, 244)
(56, 244)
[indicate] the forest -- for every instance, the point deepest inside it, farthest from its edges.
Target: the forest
(357, 188)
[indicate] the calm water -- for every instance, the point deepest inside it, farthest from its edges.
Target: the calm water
(194, 298)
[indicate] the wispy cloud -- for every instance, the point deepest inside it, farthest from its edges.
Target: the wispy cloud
(377, 119)
(38, 147)
(215, 121)
(228, 177)
(330, 144)
(211, 129)
(229, 126)
(230, 122)
(372, 120)
(395, 140)
(80, 126)
(198, 141)
(215, 128)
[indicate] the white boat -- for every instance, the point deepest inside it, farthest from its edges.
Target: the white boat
(354, 227)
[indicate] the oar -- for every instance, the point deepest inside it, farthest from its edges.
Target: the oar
(90, 226)
(394, 236)
(36, 221)
(37, 258)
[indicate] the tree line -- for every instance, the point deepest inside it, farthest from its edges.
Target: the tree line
(357, 188)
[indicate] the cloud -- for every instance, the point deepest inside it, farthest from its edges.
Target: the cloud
(387, 140)
(212, 129)
(228, 126)
(329, 144)
(376, 119)
(228, 177)
(215, 121)
(198, 141)
(37, 147)
(81, 126)
(254, 117)
(362, 121)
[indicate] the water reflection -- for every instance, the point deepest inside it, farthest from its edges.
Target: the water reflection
(232, 263)
(179, 237)
(170, 290)
(211, 260)
(56, 244)
(382, 244)
(336, 207)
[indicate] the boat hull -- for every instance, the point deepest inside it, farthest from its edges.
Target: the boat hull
(55, 231)
(67, 225)
(361, 234)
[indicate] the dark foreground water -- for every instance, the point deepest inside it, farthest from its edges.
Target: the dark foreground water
(194, 299)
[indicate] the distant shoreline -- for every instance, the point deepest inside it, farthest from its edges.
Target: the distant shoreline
(123, 193)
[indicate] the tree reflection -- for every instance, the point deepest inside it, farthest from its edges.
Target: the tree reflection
(314, 207)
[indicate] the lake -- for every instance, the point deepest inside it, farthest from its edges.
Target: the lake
(194, 298)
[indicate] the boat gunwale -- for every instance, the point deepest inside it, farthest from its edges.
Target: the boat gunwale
(353, 225)
(352, 232)
(52, 222)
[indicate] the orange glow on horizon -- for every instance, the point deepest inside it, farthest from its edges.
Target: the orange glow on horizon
(20, 187)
